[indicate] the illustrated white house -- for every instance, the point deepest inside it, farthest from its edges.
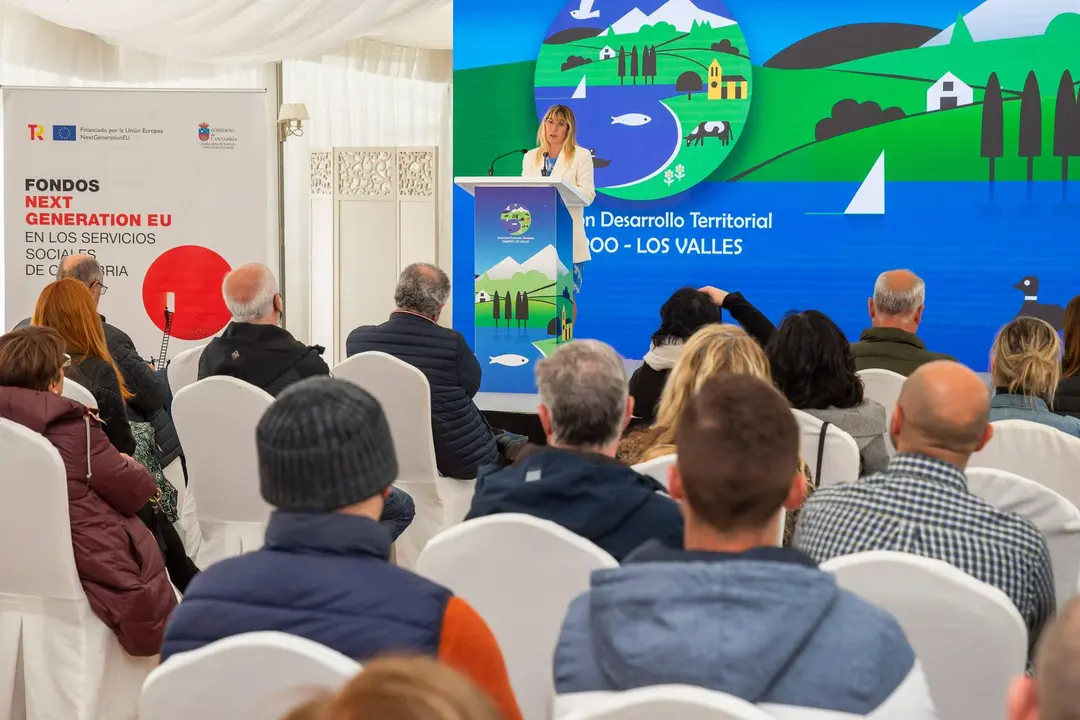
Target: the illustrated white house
(482, 297)
(607, 53)
(949, 92)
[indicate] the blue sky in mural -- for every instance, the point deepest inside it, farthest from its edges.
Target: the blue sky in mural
(767, 30)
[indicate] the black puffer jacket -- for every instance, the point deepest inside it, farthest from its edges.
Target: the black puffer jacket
(1067, 398)
(463, 438)
(152, 399)
(100, 379)
(265, 356)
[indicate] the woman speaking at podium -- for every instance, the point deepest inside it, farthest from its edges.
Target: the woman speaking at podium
(561, 158)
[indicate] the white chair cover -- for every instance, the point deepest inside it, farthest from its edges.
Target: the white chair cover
(1037, 452)
(405, 396)
(255, 676)
(1056, 518)
(57, 660)
(74, 391)
(183, 369)
(840, 461)
(657, 468)
(520, 573)
(883, 386)
(677, 702)
(216, 420)
(968, 636)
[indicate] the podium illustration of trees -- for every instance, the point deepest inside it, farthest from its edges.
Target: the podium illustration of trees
(1066, 125)
(634, 64)
(689, 82)
(1031, 124)
(495, 307)
(508, 312)
(622, 65)
(993, 124)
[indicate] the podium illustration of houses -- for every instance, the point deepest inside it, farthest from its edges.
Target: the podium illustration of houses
(523, 250)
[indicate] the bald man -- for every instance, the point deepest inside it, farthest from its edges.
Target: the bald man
(1054, 692)
(921, 503)
(254, 348)
(896, 310)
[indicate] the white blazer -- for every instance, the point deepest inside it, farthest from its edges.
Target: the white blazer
(579, 173)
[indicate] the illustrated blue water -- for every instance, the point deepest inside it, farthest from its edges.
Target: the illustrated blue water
(492, 343)
(970, 249)
(634, 151)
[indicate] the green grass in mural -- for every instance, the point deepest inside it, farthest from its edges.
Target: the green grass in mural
(547, 346)
(949, 141)
(494, 112)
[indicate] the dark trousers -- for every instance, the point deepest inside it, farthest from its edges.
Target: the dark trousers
(398, 513)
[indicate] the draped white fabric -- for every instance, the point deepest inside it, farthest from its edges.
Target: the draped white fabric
(365, 94)
(245, 31)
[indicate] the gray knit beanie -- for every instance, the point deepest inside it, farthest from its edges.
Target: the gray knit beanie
(324, 444)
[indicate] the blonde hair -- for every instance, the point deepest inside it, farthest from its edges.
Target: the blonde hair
(403, 688)
(558, 112)
(1026, 358)
(713, 349)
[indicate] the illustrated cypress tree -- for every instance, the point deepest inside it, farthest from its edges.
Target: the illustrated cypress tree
(1066, 124)
(993, 123)
(622, 64)
(509, 311)
(525, 308)
(517, 307)
(495, 308)
(1031, 123)
(634, 64)
(961, 34)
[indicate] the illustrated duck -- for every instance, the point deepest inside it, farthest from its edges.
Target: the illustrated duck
(1053, 314)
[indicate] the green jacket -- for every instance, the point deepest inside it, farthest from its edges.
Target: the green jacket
(892, 349)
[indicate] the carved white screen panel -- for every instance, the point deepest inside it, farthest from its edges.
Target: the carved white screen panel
(378, 212)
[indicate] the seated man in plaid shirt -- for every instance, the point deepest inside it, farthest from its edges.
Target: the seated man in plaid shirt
(921, 503)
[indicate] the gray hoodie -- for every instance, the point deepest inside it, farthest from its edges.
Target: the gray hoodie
(766, 626)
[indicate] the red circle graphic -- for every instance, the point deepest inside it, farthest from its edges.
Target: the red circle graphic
(193, 274)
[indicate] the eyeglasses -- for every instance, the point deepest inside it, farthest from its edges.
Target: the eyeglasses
(103, 286)
(67, 361)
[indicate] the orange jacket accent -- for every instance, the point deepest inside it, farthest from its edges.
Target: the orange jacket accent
(467, 645)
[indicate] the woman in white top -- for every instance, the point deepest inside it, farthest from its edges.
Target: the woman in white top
(563, 159)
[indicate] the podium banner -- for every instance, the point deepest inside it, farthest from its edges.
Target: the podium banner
(523, 288)
(167, 189)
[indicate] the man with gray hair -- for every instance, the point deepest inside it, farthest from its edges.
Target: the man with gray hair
(464, 441)
(896, 310)
(576, 481)
(254, 348)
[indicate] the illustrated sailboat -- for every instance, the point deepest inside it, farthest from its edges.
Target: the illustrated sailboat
(870, 197)
(579, 93)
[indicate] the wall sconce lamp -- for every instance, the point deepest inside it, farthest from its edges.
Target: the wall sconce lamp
(291, 119)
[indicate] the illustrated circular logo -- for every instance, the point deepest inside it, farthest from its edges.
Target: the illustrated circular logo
(516, 220)
(660, 89)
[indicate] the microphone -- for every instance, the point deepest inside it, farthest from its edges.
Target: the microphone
(543, 168)
(491, 168)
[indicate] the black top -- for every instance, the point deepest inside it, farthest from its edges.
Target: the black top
(100, 379)
(1067, 398)
(265, 356)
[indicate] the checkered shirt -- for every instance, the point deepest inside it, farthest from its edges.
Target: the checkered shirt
(922, 506)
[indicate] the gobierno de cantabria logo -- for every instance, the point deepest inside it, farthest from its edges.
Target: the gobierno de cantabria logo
(516, 219)
(660, 89)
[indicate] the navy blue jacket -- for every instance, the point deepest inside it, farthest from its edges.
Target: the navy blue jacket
(323, 577)
(591, 495)
(463, 439)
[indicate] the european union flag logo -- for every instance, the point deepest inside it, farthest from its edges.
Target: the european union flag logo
(65, 133)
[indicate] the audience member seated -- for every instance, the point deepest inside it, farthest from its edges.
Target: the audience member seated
(120, 567)
(151, 398)
(814, 368)
(254, 347)
(1025, 368)
(732, 612)
(713, 350)
(682, 315)
(404, 688)
(576, 481)
(68, 307)
(1067, 397)
(326, 463)
(896, 311)
(921, 504)
(464, 441)
(1052, 693)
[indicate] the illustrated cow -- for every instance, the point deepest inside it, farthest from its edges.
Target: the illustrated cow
(715, 128)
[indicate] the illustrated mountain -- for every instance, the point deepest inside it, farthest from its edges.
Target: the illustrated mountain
(1001, 19)
(680, 13)
(541, 262)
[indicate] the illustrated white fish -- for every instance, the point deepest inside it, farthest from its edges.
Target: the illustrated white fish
(508, 360)
(631, 119)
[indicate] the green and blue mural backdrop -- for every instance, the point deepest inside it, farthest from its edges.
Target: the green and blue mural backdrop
(792, 151)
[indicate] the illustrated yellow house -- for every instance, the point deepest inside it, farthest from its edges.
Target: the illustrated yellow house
(731, 87)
